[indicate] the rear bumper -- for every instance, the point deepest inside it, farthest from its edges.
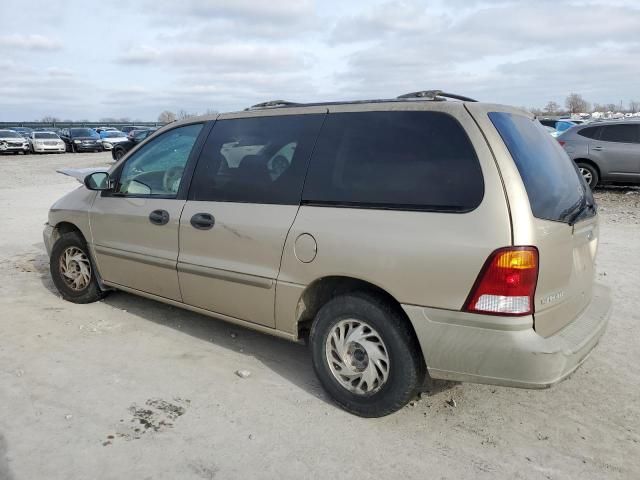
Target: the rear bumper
(506, 351)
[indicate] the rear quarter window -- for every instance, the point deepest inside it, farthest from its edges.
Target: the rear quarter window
(589, 132)
(413, 160)
(550, 177)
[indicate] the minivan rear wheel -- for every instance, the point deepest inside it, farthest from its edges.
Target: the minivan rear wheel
(589, 173)
(365, 355)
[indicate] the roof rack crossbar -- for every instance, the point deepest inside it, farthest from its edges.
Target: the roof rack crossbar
(272, 104)
(436, 95)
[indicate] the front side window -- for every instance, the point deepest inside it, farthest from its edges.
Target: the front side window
(407, 160)
(256, 160)
(620, 133)
(156, 168)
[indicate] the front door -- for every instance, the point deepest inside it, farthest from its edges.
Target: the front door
(135, 226)
(243, 199)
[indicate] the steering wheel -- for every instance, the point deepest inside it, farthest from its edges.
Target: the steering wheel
(171, 178)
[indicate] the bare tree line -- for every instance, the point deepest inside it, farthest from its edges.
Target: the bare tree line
(576, 103)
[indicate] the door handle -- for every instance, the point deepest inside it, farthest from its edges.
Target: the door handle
(203, 221)
(597, 148)
(159, 217)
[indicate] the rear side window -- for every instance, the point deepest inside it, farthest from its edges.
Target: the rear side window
(553, 184)
(620, 133)
(401, 160)
(256, 160)
(589, 132)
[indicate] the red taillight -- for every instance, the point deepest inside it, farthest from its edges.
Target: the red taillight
(561, 142)
(507, 283)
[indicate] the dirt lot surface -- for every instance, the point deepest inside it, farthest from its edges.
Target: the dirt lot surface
(132, 389)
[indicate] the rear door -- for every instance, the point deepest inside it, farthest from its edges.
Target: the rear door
(552, 209)
(617, 149)
(243, 199)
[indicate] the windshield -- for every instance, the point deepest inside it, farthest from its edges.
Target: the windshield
(82, 132)
(9, 134)
(111, 134)
(45, 135)
(554, 186)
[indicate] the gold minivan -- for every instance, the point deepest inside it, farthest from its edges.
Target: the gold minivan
(428, 234)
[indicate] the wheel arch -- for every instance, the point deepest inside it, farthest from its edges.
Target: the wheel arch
(63, 227)
(589, 162)
(323, 289)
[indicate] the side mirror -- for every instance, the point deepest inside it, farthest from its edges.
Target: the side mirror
(97, 181)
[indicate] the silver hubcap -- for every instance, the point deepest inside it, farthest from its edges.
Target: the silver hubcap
(75, 268)
(586, 174)
(357, 357)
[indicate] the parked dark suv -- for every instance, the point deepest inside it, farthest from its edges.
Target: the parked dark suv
(608, 152)
(81, 140)
(135, 137)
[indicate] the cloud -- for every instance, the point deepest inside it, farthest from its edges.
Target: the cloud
(141, 55)
(401, 46)
(228, 54)
(216, 58)
(29, 42)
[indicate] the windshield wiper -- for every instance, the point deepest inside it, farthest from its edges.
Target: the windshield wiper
(583, 206)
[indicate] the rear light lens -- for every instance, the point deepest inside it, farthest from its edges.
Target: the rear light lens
(506, 284)
(561, 142)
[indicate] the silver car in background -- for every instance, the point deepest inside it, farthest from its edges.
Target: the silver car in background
(13, 142)
(606, 152)
(110, 137)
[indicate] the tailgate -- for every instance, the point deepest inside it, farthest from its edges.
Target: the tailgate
(565, 279)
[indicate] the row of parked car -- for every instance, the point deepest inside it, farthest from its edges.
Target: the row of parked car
(75, 139)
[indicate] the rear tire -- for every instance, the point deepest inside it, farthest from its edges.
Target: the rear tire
(118, 154)
(359, 331)
(72, 271)
(589, 173)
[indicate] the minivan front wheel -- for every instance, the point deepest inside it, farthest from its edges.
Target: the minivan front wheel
(589, 173)
(365, 355)
(72, 271)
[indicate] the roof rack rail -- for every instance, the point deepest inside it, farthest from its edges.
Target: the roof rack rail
(436, 95)
(272, 104)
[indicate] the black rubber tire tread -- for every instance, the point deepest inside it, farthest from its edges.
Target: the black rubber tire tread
(92, 292)
(407, 368)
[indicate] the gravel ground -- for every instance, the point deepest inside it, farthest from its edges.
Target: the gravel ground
(130, 388)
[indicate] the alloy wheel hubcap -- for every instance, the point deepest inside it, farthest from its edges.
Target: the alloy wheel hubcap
(75, 268)
(357, 357)
(586, 174)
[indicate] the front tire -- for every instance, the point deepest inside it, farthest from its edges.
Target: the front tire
(365, 355)
(118, 154)
(72, 270)
(589, 173)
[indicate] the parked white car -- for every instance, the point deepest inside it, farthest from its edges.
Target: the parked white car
(46, 142)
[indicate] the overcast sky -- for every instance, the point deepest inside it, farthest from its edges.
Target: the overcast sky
(89, 60)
